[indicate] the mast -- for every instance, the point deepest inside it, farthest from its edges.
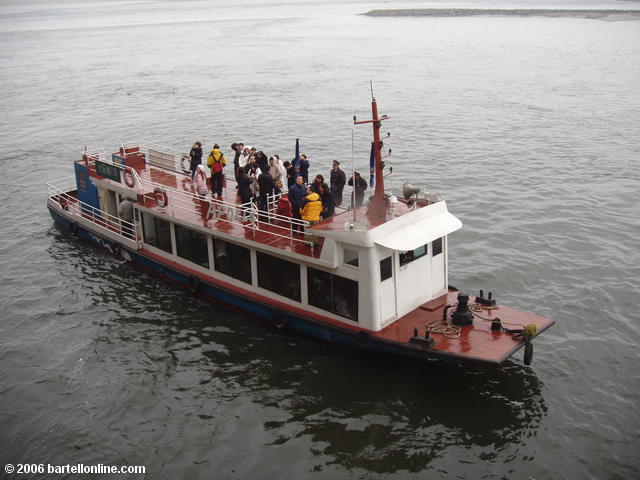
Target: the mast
(377, 207)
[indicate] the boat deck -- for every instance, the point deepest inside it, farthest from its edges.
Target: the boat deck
(475, 341)
(226, 215)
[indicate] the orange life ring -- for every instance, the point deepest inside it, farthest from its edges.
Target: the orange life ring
(128, 177)
(162, 200)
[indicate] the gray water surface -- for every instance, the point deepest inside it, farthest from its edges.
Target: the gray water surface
(529, 128)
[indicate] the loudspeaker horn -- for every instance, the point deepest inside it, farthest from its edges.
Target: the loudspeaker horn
(408, 190)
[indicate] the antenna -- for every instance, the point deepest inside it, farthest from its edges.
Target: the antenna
(353, 177)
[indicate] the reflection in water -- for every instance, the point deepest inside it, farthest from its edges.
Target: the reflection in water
(379, 414)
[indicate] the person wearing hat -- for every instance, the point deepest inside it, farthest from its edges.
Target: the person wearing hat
(310, 211)
(359, 186)
(337, 181)
(195, 158)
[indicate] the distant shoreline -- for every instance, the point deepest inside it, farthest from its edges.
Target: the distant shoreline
(517, 12)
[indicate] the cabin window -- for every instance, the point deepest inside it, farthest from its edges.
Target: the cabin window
(437, 247)
(156, 232)
(279, 276)
(386, 268)
(335, 294)
(192, 246)
(232, 260)
(411, 255)
(350, 257)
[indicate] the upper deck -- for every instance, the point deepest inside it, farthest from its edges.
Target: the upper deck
(150, 170)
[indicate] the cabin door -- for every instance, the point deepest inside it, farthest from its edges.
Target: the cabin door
(108, 205)
(438, 267)
(388, 309)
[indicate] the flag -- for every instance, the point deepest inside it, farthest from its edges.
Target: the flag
(296, 160)
(372, 167)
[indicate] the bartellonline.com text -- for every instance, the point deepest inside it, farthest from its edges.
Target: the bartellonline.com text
(79, 468)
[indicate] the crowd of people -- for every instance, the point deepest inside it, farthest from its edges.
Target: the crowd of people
(259, 177)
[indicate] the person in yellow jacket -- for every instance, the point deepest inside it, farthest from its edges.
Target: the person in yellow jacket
(310, 211)
(216, 162)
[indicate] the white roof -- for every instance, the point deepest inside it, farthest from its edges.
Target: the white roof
(421, 232)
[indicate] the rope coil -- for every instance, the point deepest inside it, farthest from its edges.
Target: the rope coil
(443, 328)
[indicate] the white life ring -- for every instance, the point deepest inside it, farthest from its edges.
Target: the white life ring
(128, 177)
(162, 200)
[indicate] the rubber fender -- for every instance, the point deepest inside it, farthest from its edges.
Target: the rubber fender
(194, 284)
(364, 338)
(74, 229)
(116, 250)
(279, 318)
(528, 353)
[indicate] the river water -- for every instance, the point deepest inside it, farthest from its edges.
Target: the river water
(528, 126)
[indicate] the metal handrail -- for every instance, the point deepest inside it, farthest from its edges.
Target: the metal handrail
(98, 217)
(191, 202)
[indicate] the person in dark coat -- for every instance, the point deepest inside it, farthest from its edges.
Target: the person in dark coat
(237, 149)
(291, 174)
(328, 208)
(296, 194)
(196, 158)
(360, 187)
(263, 161)
(266, 187)
(337, 182)
(252, 165)
(244, 189)
(303, 168)
(315, 186)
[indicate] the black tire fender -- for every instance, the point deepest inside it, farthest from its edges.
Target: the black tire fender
(364, 338)
(528, 353)
(74, 229)
(279, 318)
(194, 283)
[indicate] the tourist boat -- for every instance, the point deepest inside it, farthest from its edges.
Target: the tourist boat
(373, 277)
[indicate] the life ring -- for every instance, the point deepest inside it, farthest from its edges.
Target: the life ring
(162, 200)
(528, 353)
(279, 318)
(128, 177)
(186, 165)
(194, 284)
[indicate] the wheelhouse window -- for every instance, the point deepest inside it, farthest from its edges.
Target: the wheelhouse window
(350, 257)
(279, 276)
(386, 268)
(437, 247)
(192, 246)
(232, 260)
(411, 255)
(156, 232)
(335, 294)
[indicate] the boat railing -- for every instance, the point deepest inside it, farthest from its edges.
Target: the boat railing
(158, 155)
(95, 153)
(246, 215)
(60, 192)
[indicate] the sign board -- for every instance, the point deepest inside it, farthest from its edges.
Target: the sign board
(108, 170)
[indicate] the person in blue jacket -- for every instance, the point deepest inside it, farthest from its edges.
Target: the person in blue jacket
(296, 194)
